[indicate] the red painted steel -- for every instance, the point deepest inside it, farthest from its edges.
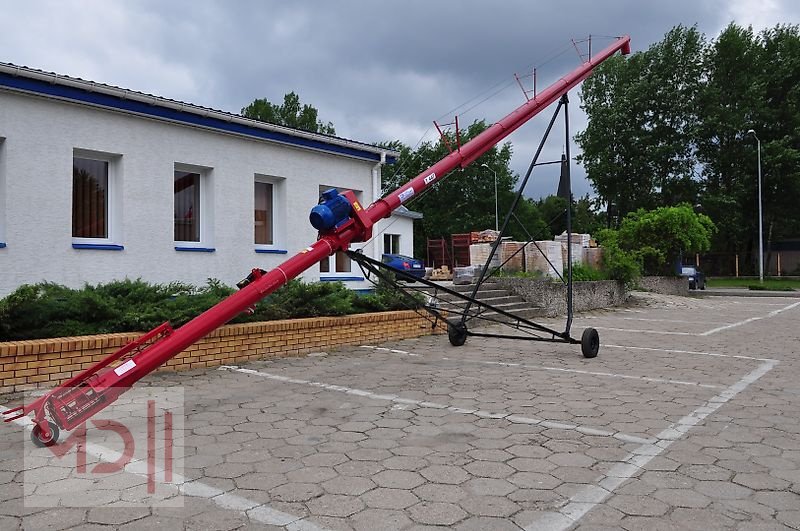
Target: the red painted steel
(97, 387)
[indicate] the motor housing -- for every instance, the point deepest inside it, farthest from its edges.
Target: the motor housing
(333, 210)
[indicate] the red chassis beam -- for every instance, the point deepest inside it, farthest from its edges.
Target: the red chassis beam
(89, 392)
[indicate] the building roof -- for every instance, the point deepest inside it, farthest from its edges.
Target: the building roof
(52, 85)
(403, 212)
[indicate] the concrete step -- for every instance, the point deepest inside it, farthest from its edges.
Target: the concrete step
(494, 301)
(490, 294)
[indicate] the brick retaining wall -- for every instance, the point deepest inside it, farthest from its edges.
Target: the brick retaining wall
(48, 362)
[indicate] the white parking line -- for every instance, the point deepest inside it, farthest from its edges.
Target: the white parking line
(641, 331)
(255, 511)
(392, 350)
(700, 353)
(751, 319)
(591, 496)
(648, 320)
(590, 373)
(707, 332)
(514, 419)
(747, 301)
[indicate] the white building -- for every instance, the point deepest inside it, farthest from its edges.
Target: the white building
(100, 183)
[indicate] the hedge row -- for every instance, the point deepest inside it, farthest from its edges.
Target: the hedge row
(50, 310)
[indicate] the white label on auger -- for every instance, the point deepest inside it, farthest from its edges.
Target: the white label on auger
(405, 194)
(429, 179)
(125, 367)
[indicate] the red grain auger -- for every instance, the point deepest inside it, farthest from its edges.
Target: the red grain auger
(340, 219)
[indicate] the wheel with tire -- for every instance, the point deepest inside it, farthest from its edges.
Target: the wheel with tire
(39, 440)
(457, 334)
(590, 343)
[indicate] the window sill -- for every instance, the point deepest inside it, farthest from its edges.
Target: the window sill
(98, 246)
(340, 279)
(272, 251)
(196, 249)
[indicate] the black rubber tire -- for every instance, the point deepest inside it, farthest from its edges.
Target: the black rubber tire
(590, 343)
(457, 334)
(36, 433)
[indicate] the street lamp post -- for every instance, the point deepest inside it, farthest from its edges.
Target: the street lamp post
(760, 228)
(496, 217)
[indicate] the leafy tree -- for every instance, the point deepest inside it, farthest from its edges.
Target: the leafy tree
(752, 83)
(658, 238)
(290, 114)
(465, 200)
(639, 149)
(668, 125)
(618, 263)
(730, 104)
(652, 241)
(779, 131)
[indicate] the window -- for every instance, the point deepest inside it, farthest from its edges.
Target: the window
(339, 262)
(193, 212)
(96, 200)
(187, 206)
(391, 244)
(90, 196)
(264, 214)
(269, 214)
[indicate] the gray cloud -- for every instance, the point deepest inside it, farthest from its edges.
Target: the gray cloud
(378, 70)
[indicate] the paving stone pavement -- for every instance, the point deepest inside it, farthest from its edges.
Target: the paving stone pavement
(688, 419)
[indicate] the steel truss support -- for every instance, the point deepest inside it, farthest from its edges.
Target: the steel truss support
(459, 329)
(392, 276)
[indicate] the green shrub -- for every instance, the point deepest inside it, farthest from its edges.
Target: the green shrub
(386, 299)
(51, 310)
(582, 273)
(618, 263)
(656, 238)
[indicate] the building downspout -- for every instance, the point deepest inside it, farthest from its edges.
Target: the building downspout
(376, 177)
(376, 194)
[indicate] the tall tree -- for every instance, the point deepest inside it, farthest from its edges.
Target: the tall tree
(731, 103)
(779, 132)
(639, 148)
(752, 82)
(670, 125)
(291, 114)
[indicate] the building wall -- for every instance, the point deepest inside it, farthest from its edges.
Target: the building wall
(38, 137)
(401, 226)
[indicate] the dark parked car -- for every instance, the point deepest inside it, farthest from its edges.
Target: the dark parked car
(405, 263)
(697, 279)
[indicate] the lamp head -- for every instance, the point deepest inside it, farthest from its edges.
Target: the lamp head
(484, 165)
(751, 132)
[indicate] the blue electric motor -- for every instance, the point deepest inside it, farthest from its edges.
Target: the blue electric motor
(331, 212)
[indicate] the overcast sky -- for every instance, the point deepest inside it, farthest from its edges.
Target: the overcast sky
(378, 70)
